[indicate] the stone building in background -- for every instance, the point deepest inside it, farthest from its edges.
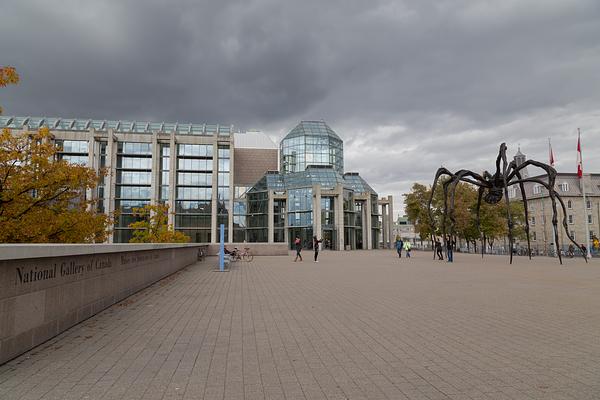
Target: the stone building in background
(569, 187)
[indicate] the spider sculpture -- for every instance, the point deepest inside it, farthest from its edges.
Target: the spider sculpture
(491, 188)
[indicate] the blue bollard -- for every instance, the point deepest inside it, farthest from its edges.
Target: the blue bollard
(222, 249)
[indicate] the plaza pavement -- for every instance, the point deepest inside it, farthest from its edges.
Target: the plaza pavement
(357, 325)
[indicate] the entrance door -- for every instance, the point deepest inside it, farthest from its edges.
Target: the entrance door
(329, 239)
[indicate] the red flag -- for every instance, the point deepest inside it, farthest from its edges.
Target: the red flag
(579, 160)
(551, 154)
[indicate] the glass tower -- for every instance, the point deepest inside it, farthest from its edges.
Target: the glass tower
(311, 143)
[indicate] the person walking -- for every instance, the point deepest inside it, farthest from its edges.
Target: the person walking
(449, 249)
(316, 243)
(399, 244)
(438, 249)
(407, 248)
(298, 245)
(584, 250)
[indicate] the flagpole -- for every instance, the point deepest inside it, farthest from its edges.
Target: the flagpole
(582, 186)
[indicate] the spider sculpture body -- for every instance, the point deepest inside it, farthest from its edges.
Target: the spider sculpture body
(493, 187)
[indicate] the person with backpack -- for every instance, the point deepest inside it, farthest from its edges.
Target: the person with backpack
(316, 243)
(298, 245)
(399, 245)
(407, 248)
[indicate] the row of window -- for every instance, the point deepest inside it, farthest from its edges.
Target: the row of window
(592, 235)
(570, 219)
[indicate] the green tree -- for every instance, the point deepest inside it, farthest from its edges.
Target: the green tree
(153, 226)
(416, 209)
(493, 220)
(43, 199)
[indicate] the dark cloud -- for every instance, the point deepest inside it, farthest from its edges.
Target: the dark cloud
(409, 85)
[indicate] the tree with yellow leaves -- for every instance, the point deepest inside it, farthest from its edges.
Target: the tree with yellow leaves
(153, 226)
(43, 199)
(8, 76)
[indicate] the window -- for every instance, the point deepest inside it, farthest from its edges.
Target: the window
(564, 187)
(588, 204)
(570, 218)
(533, 236)
(572, 235)
(569, 204)
(537, 189)
(532, 220)
(592, 235)
(589, 218)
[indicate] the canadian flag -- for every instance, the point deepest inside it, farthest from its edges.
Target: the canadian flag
(579, 160)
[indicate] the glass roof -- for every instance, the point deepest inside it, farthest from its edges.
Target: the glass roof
(312, 128)
(78, 125)
(355, 182)
(326, 177)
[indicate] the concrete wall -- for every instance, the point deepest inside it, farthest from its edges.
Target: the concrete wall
(251, 165)
(46, 289)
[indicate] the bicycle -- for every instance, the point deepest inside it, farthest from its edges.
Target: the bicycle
(245, 255)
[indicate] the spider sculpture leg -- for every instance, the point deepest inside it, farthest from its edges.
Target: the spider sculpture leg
(566, 227)
(524, 197)
(477, 218)
(445, 214)
(505, 182)
(441, 171)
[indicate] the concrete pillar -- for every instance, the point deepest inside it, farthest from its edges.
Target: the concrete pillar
(270, 218)
(109, 187)
(215, 191)
(369, 228)
(172, 177)
(391, 220)
(384, 224)
(316, 204)
(286, 230)
(338, 203)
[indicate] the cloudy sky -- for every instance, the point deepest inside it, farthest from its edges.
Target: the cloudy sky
(408, 85)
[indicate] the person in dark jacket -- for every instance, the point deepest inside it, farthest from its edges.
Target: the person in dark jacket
(316, 247)
(438, 249)
(399, 246)
(450, 249)
(298, 245)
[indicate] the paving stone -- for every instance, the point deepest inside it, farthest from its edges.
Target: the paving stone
(358, 325)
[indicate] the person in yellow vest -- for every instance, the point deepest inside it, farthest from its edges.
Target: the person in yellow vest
(407, 248)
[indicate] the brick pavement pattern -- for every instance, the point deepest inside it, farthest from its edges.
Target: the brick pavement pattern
(357, 325)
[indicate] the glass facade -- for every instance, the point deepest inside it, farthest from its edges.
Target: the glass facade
(165, 168)
(73, 151)
(258, 204)
(101, 189)
(279, 220)
(193, 197)
(132, 186)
